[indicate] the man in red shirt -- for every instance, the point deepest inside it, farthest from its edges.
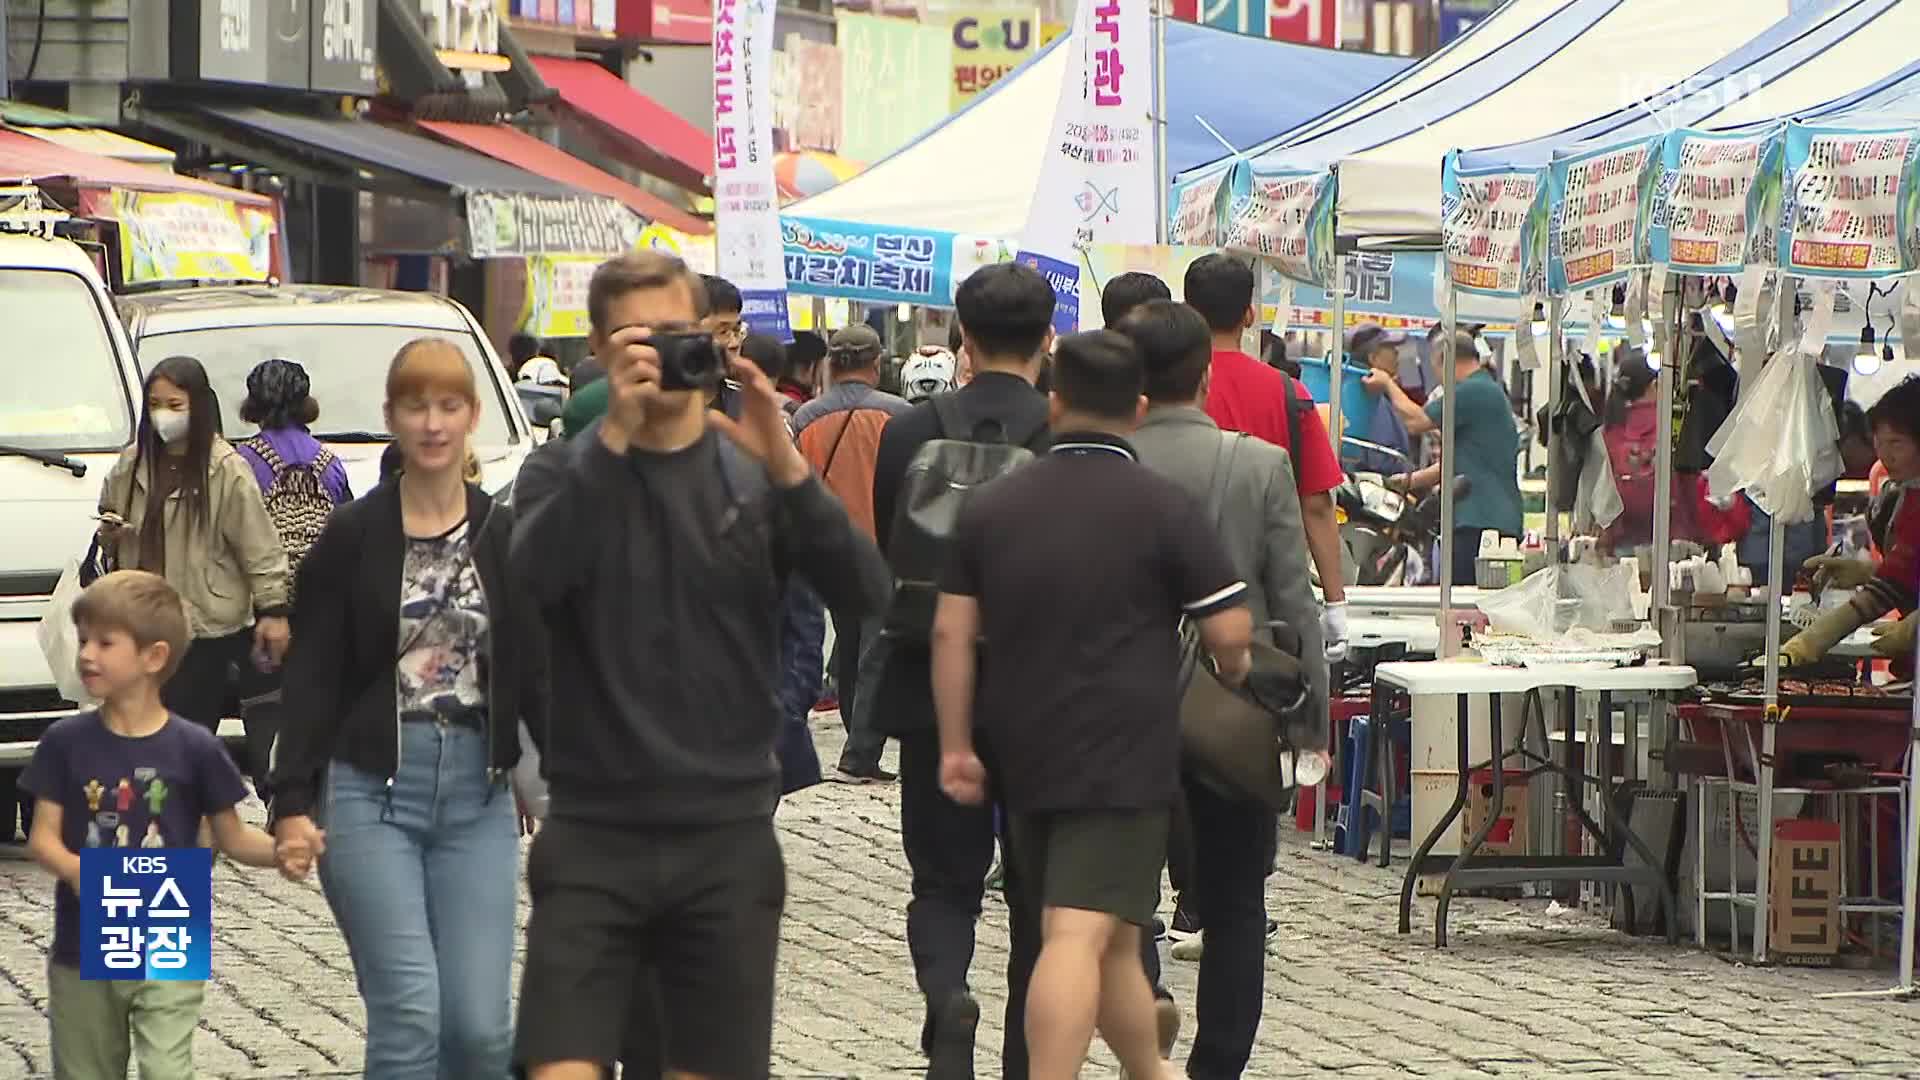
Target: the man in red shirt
(1244, 394)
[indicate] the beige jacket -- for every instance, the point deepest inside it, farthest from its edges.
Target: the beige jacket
(227, 571)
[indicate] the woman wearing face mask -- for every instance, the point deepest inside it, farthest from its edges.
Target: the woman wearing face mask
(417, 661)
(183, 504)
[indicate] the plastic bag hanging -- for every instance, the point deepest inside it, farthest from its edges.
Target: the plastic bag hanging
(1780, 444)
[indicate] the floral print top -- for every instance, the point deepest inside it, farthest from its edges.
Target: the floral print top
(443, 625)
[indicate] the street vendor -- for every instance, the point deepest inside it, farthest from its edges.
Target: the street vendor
(1895, 524)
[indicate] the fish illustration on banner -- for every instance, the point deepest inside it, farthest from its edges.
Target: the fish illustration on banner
(1712, 194)
(1849, 207)
(1494, 229)
(1599, 202)
(1285, 217)
(1096, 183)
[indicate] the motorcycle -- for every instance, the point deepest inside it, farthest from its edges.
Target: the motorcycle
(1387, 533)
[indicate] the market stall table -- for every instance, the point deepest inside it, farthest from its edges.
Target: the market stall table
(1462, 680)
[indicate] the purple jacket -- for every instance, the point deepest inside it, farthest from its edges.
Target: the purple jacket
(296, 447)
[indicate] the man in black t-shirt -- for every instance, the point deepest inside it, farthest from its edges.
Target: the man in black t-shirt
(1079, 693)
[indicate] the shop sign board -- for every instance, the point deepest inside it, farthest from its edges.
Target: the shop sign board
(260, 42)
(1304, 22)
(557, 295)
(465, 33)
(1459, 16)
(894, 79)
(505, 225)
(183, 236)
(987, 44)
(345, 46)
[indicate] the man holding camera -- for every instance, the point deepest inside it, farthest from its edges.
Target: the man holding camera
(657, 544)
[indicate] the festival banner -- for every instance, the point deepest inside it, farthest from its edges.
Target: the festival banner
(1096, 181)
(1599, 201)
(746, 205)
(1196, 211)
(167, 236)
(556, 304)
(1713, 194)
(1849, 208)
(1493, 225)
(987, 44)
(1285, 218)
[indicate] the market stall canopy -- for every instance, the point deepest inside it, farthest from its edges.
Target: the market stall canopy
(651, 136)
(1789, 70)
(975, 172)
(516, 147)
(24, 157)
(81, 133)
(1529, 70)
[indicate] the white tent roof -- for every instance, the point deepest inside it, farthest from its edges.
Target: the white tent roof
(1534, 68)
(1877, 49)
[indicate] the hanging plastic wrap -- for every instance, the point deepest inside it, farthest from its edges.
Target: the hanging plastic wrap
(1551, 604)
(1781, 443)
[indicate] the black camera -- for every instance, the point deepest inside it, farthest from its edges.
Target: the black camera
(689, 361)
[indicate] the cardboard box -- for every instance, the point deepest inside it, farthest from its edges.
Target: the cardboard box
(1803, 912)
(1509, 835)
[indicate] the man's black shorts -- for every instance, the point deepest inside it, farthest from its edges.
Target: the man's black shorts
(1094, 860)
(691, 914)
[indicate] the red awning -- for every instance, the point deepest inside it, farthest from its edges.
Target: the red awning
(663, 143)
(517, 148)
(23, 157)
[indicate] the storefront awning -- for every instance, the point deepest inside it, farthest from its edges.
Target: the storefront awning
(24, 157)
(518, 148)
(510, 211)
(108, 144)
(653, 136)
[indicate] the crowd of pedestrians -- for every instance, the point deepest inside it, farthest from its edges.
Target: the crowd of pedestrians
(643, 610)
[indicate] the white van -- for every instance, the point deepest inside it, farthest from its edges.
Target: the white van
(67, 387)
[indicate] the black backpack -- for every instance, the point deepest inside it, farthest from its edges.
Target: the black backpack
(945, 472)
(297, 501)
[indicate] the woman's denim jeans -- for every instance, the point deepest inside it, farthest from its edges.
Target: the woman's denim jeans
(422, 879)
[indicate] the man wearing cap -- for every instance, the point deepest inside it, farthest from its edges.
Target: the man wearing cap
(1374, 419)
(839, 434)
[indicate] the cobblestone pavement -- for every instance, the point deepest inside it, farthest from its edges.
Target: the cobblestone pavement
(1521, 992)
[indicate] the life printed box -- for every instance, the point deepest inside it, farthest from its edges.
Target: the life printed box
(146, 914)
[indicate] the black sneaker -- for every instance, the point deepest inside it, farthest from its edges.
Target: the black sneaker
(862, 774)
(950, 1050)
(1273, 929)
(1159, 930)
(1185, 922)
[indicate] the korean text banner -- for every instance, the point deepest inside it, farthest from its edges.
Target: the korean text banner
(1716, 201)
(1493, 225)
(1096, 183)
(988, 43)
(1599, 202)
(189, 237)
(507, 225)
(1849, 202)
(869, 263)
(1393, 289)
(893, 82)
(1285, 218)
(746, 205)
(557, 295)
(1197, 211)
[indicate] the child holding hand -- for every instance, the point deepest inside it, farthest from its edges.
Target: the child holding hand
(128, 774)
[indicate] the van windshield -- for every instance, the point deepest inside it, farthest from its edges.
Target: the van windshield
(60, 386)
(346, 362)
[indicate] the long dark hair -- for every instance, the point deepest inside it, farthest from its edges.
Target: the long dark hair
(203, 423)
(1631, 378)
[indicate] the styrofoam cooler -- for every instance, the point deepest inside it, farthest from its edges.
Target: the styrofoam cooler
(1435, 741)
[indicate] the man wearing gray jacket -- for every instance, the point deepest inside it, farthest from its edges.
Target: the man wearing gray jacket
(1262, 528)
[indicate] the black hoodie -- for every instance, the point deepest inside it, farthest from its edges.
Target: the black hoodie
(661, 578)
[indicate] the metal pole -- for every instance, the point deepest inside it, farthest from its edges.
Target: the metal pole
(1160, 177)
(1556, 364)
(1336, 353)
(1671, 341)
(1449, 318)
(1776, 576)
(5, 76)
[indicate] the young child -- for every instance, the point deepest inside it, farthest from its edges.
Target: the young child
(128, 774)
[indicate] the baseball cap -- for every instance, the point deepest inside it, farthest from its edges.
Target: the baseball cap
(1370, 336)
(856, 338)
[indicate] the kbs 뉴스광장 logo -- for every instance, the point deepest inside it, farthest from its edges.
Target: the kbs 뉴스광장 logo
(146, 913)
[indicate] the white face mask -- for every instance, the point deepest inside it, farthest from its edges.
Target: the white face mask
(169, 424)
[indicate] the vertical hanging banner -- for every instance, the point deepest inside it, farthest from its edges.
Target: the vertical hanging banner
(1493, 225)
(1599, 202)
(1849, 202)
(746, 205)
(1096, 182)
(1195, 215)
(1287, 219)
(1712, 195)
